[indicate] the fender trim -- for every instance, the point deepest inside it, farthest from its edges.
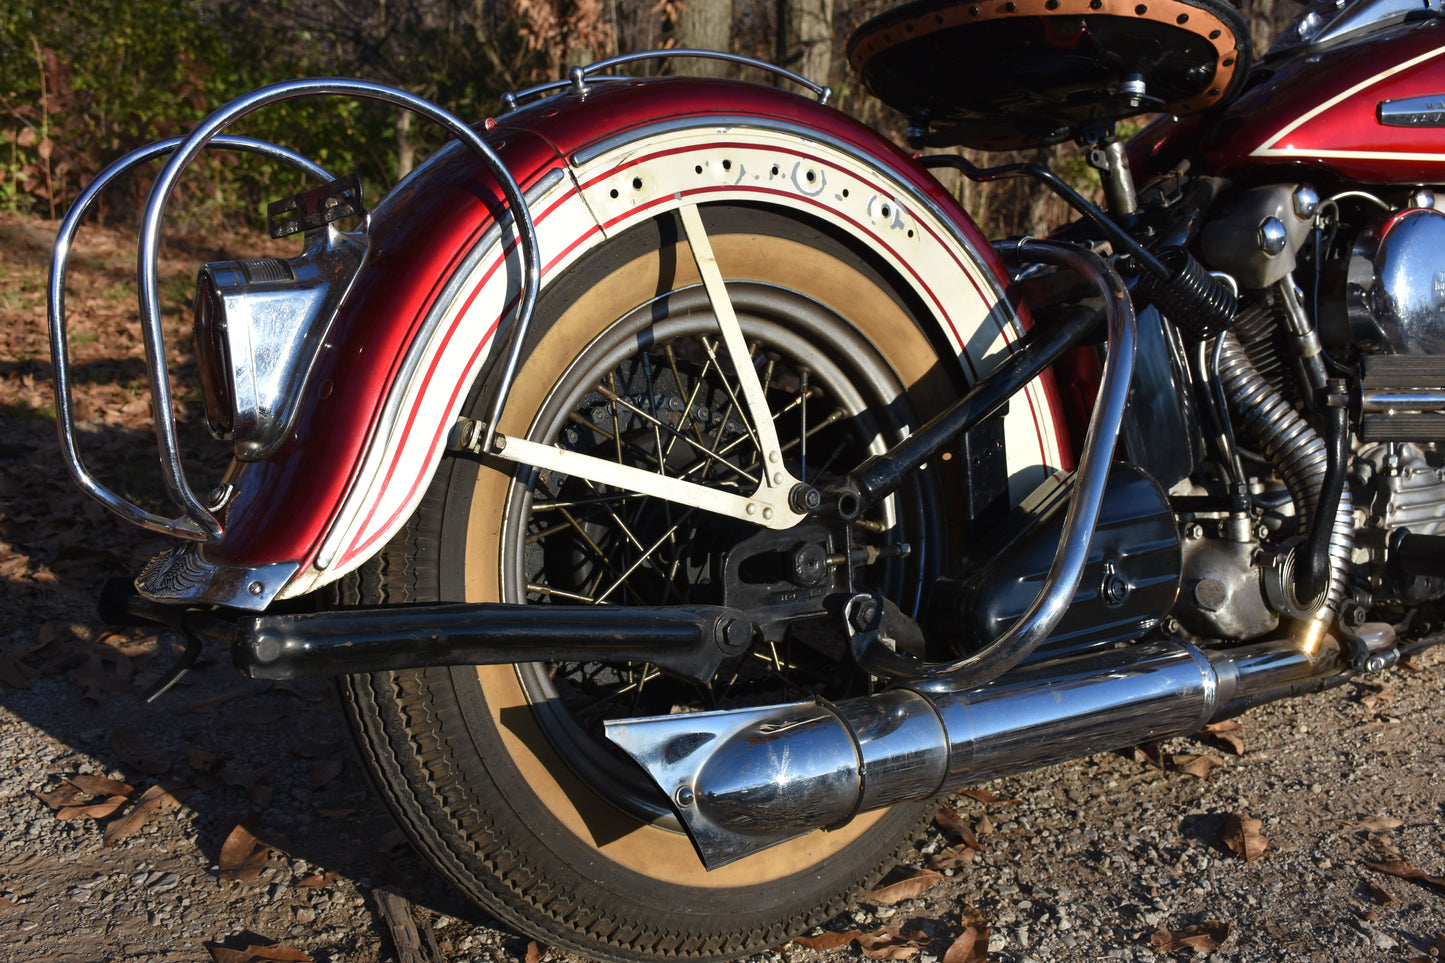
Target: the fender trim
(387, 474)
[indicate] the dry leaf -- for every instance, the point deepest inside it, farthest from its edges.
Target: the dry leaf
(906, 889)
(1228, 733)
(1376, 824)
(1204, 938)
(243, 856)
(986, 797)
(317, 880)
(1381, 696)
(970, 947)
(954, 857)
(272, 953)
(100, 785)
(1404, 870)
(534, 952)
(138, 752)
(827, 941)
(162, 797)
(1149, 753)
(65, 794)
(1243, 838)
(948, 819)
(1379, 894)
(95, 810)
(891, 943)
(1200, 766)
(985, 825)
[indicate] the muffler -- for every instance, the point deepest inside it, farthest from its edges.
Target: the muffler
(743, 780)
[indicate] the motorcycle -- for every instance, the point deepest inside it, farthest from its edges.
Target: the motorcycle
(684, 491)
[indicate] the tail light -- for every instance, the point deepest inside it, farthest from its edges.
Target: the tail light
(259, 326)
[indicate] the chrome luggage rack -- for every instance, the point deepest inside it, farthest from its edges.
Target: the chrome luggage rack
(198, 520)
(578, 77)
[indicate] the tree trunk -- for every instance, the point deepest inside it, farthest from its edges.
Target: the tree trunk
(707, 25)
(405, 147)
(809, 33)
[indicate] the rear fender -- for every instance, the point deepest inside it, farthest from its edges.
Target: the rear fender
(422, 323)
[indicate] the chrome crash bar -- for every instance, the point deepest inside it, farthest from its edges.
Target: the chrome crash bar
(198, 521)
(185, 526)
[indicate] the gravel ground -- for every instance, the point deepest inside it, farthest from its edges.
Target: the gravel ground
(1090, 861)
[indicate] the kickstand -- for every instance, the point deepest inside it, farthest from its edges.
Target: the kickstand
(179, 667)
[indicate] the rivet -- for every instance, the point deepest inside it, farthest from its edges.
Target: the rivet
(256, 588)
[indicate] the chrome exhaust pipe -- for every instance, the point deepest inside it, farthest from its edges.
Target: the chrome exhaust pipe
(743, 780)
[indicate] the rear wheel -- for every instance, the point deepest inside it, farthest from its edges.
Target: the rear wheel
(501, 774)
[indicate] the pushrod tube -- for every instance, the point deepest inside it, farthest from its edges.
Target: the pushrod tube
(184, 527)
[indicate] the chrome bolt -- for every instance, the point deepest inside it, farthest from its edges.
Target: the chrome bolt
(256, 588)
(1306, 202)
(1422, 197)
(1193, 531)
(683, 797)
(1272, 236)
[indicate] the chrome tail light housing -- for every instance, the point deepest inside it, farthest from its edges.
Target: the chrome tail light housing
(259, 325)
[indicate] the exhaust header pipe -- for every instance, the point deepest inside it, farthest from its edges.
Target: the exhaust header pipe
(744, 780)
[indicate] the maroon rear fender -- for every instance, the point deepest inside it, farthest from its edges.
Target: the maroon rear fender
(442, 277)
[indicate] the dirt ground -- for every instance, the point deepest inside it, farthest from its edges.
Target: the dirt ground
(228, 820)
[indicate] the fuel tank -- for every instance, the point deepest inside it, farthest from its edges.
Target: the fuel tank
(1370, 110)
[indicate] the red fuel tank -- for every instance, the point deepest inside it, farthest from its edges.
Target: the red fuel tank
(1370, 110)
(1361, 110)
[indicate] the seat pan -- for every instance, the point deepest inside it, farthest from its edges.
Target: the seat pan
(1006, 74)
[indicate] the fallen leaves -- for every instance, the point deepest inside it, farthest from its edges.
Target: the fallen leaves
(1197, 764)
(1379, 695)
(317, 880)
(1226, 732)
(258, 953)
(986, 797)
(85, 795)
(1375, 824)
(1242, 837)
(906, 889)
(907, 941)
(1204, 937)
(948, 819)
(970, 947)
(243, 856)
(1406, 870)
(160, 798)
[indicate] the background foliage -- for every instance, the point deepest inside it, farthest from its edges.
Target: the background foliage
(83, 83)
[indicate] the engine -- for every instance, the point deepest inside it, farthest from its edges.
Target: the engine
(1347, 291)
